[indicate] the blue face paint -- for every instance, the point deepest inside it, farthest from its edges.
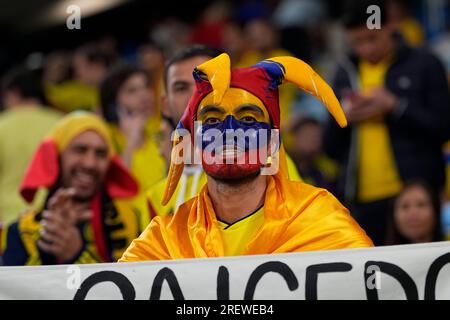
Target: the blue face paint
(231, 131)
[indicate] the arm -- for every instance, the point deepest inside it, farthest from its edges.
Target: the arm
(429, 116)
(337, 139)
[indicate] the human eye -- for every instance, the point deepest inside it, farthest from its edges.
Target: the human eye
(180, 87)
(212, 121)
(248, 120)
(102, 153)
(79, 149)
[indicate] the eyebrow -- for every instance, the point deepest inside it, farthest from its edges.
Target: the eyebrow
(242, 108)
(211, 108)
(81, 145)
(250, 107)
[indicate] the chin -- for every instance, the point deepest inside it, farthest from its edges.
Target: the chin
(83, 195)
(232, 173)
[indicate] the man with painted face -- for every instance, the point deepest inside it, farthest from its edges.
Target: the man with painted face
(180, 86)
(246, 208)
(88, 216)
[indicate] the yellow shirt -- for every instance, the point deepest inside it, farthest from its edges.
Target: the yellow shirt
(152, 126)
(378, 175)
(147, 167)
(236, 236)
(21, 131)
(73, 95)
(292, 169)
(193, 184)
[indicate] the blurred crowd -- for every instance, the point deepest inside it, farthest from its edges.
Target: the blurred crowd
(390, 166)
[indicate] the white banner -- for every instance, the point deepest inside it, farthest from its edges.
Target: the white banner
(398, 272)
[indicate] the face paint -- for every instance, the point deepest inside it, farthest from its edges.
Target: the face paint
(240, 129)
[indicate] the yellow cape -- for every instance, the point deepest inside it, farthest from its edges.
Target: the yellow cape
(297, 217)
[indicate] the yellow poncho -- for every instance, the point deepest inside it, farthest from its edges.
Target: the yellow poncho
(297, 217)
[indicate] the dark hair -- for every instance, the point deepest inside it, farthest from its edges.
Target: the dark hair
(355, 12)
(111, 85)
(27, 83)
(393, 235)
(302, 122)
(197, 50)
(93, 54)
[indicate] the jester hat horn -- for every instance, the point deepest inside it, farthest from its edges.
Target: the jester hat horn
(262, 80)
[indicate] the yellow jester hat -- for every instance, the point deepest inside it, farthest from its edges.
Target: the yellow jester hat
(262, 80)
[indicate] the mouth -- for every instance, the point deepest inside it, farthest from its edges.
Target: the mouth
(228, 151)
(84, 179)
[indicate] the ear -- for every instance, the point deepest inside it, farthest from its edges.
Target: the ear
(273, 164)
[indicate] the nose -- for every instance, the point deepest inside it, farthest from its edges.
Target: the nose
(90, 160)
(229, 123)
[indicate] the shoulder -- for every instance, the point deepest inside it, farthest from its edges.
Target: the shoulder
(6, 117)
(422, 57)
(29, 220)
(318, 216)
(182, 214)
(50, 113)
(310, 204)
(20, 237)
(305, 193)
(177, 221)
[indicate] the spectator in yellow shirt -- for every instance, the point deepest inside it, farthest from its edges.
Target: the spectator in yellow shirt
(90, 64)
(396, 100)
(23, 124)
(128, 105)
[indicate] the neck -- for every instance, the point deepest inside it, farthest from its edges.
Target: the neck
(234, 202)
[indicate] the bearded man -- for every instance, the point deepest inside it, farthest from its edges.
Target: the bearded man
(88, 216)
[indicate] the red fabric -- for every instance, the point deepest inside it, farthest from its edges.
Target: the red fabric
(254, 80)
(97, 226)
(119, 182)
(1, 230)
(209, 33)
(43, 172)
